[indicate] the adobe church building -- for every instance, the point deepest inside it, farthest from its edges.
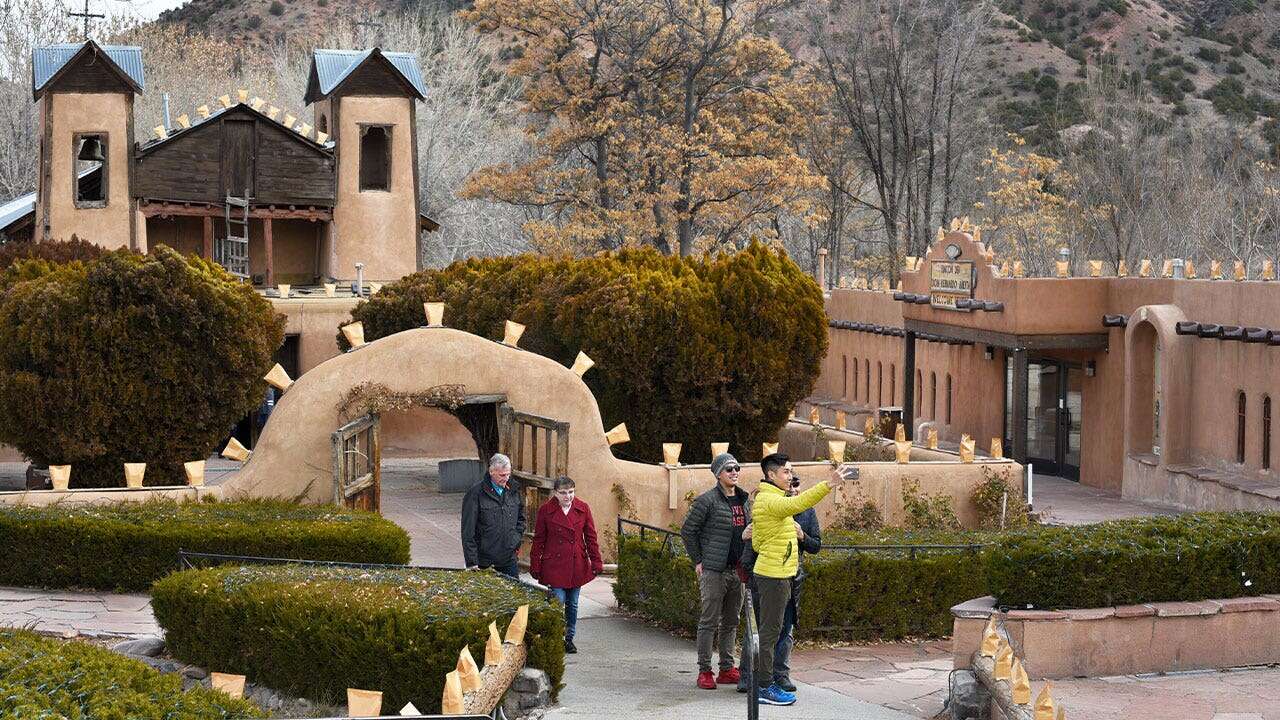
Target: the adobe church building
(241, 180)
(1151, 386)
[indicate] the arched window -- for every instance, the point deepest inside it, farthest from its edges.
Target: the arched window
(933, 396)
(854, 380)
(919, 391)
(1266, 432)
(1241, 411)
(948, 398)
(879, 384)
(893, 383)
(844, 376)
(866, 385)
(375, 157)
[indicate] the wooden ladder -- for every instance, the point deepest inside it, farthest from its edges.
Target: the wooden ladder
(232, 250)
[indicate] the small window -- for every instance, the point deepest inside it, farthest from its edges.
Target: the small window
(375, 157)
(948, 398)
(322, 124)
(919, 391)
(893, 383)
(1241, 411)
(844, 376)
(866, 385)
(854, 380)
(90, 162)
(1266, 432)
(933, 396)
(879, 384)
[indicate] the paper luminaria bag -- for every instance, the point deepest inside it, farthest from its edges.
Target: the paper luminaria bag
(435, 313)
(235, 451)
(618, 434)
(1021, 684)
(671, 454)
(835, 450)
(364, 703)
(997, 448)
(1004, 662)
(511, 333)
(990, 639)
(933, 438)
(520, 621)
(60, 476)
(1045, 707)
(232, 685)
(354, 333)
(902, 451)
(468, 673)
(900, 433)
(195, 472)
(1215, 269)
(869, 427)
(966, 450)
(768, 448)
(582, 364)
(330, 289)
(815, 416)
(840, 420)
(133, 474)
(493, 647)
(451, 701)
(719, 448)
(278, 378)
(283, 289)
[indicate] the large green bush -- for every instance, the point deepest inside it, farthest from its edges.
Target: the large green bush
(127, 546)
(1195, 556)
(52, 251)
(46, 678)
(129, 358)
(691, 350)
(314, 632)
(866, 595)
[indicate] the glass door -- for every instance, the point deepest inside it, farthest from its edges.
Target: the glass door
(1043, 392)
(1069, 437)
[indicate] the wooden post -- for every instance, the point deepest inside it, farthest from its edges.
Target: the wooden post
(1018, 427)
(909, 383)
(375, 459)
(270, 251)
(208, 237)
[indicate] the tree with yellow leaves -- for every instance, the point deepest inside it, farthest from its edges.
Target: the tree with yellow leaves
(663, 122)
(1027, 212)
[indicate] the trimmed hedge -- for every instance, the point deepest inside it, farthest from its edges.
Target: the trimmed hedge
(1196, 556)
(46, 678)
(847, 595)
(127, 546)
(129, 358)
(314, 632)
(693, 350)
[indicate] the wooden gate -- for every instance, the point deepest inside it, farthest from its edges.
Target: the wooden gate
(357, 459)
(539, 451)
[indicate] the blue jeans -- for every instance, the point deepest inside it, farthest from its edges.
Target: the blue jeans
(511, 569)
(569, 597)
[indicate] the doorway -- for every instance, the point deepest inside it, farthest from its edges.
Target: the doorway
(1054, 416)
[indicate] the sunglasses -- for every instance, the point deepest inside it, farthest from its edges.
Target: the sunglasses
(732, 468)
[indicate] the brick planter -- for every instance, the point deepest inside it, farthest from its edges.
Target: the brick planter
(1131, 639)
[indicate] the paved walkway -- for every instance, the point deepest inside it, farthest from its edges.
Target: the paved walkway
(1066, 502)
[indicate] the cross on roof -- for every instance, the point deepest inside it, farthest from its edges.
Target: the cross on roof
(86, 15)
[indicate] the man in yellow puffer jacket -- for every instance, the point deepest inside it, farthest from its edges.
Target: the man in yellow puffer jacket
(773, 537)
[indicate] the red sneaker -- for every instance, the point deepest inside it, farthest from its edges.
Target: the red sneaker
(706, 680)
(728, 677)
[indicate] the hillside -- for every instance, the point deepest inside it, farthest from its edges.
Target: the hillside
(1198, 60)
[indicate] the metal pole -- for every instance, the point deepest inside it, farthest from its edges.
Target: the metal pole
(750, 652)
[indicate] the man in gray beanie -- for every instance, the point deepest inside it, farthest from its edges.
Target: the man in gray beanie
(712, 534)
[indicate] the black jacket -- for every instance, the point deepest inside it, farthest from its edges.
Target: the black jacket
(492, 526)
(708, 529)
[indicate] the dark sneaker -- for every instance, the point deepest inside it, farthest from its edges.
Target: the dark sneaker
(706, 680)
(569, 647)
(786, 684)
(774, 695)
(728, 676)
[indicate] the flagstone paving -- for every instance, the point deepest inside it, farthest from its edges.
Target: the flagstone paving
(627, 669)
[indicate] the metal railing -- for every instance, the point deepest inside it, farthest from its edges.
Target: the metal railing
(750, 654)
(666, 533)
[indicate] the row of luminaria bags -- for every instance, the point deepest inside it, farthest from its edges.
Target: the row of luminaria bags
(1008, 668)
(468, 690)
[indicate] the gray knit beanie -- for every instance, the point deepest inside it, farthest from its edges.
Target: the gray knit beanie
(720, 461)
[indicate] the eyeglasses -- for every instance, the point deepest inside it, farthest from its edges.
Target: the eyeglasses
(732, 468)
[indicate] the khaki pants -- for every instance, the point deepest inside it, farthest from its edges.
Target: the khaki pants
(774, 595)
(721, 602)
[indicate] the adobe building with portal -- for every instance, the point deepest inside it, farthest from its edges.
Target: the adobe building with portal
(1153, 383)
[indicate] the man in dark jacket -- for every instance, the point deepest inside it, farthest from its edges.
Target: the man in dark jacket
(493, 520)
(809, 536)
(712, 534)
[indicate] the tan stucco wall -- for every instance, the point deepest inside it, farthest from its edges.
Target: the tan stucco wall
(425, 432)
(82, 113)
(315, 321)
(89, 496)
(376, 228)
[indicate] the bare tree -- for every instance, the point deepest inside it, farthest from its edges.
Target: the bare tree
(902, 72)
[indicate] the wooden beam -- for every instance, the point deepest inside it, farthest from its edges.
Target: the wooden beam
(208, 237)
(152, 208)
(269, 249)
(978, 336)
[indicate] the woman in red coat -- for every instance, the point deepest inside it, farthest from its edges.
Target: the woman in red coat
(565, 555)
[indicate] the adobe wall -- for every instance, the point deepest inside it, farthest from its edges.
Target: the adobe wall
(426, 432)
(376, 228)
(73, 113)
(102, 496)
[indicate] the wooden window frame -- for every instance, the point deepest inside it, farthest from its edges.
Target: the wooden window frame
(364, 130)
(105, 138)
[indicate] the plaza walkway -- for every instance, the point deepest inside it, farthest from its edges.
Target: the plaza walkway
(627, 669)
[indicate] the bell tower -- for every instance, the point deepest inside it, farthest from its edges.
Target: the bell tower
(86, 93)
(366, 101)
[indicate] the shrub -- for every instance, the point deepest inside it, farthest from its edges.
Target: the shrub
(847, 595)
(277, 8)
(314, 632)
(927, 512)
(46, 678)
(127, 546)
(253, 22)
(129, 358)
(1208, 54)
(52, 251)
(694, 350)
(1196, 556)
(998, 500)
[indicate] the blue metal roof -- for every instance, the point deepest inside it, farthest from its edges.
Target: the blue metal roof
(333, 66)
(48, 60)
(16, 209)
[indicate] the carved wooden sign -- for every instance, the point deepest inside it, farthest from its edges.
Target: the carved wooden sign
(950, 280)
